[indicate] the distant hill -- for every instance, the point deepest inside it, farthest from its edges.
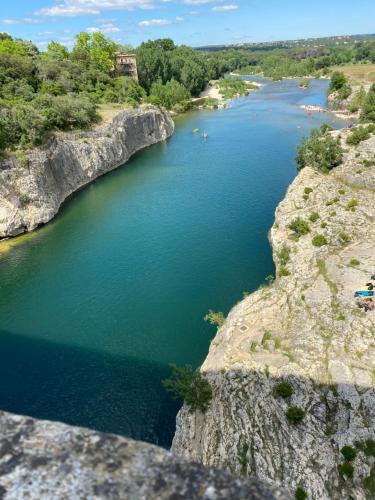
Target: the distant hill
(288, 44)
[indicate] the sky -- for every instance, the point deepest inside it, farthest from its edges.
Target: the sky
(191, 22)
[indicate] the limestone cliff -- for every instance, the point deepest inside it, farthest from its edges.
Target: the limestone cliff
(33, 186)
(42, 460)
(305, 329)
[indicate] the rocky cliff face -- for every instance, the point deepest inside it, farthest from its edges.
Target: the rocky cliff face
(306, 330)
(33, 187)
(42, 460)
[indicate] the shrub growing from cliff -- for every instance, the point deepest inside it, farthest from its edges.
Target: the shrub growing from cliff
(348, 453)
(295, 415)
(299, 226)
(320, 151)
(319, 240)
(284, 389)
(188, 384)
(359, 134)
(347, 470)
(300, 494)
(215, 318)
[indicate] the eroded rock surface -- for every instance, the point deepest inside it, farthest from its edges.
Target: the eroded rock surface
(48, 460)
(307, 330)
(33, 186)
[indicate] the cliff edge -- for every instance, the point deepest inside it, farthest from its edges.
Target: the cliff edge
(34, 185)
(307, 331)
(44, 460)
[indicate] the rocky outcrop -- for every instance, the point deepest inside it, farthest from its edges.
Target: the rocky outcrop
(34, 185)
(48, 460)
(307, 330)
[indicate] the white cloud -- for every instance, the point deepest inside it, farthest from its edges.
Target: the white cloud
(81, 7)
(104, 28)
(155, 22)
(25, 20)
(200, 2)
(160, 22)
(224, 8)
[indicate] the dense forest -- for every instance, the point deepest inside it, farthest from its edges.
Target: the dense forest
(58, 89)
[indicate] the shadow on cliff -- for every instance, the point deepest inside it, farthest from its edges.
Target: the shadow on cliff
(39, 379)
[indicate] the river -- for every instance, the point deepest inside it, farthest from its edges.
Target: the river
(96, 304)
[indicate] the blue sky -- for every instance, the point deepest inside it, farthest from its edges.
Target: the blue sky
(193, 22)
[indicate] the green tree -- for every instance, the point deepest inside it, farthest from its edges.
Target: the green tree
(320, 151)
(188, 384)
(368, 110)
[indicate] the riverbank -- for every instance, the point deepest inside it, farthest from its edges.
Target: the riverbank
(35, 184)
(218, 96)
(304, 330)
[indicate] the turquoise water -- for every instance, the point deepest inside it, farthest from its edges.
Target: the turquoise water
(95, 305)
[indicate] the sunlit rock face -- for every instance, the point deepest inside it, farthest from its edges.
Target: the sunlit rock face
(307, 330)
(42, 460)
(33, 186)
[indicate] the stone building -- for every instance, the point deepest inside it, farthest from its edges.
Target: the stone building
(126, 65)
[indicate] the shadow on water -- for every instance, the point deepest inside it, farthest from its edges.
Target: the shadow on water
(99, 400)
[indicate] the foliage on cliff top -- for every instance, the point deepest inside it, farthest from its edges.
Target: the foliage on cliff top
(320, 151)
(188, 384)
(340, 85)
(60, 89)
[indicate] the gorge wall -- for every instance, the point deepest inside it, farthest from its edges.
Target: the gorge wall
(35, 184)
(304, 329)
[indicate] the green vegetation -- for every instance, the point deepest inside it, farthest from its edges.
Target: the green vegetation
(354, 262)
(360, 134)
(319, 240)
(266, 337)
(304, 84)
(300, 494)
(352, 204)
(323, 225)
(283, 255)
(299, 226)
(43, 92)
(344, 237)
(314, 216)
(172, 95)
(308, 190)
(242, 457)
(368, 447)
(215, 318)
(339, 85)
(232, 87)
(348, 453)
(369, 482)
(284, 389)
(368, 109)
(283, 59)
(320, 151)
(189, 385)
(347, 470)
(357, 101)
(284, 271)
(295, 415)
